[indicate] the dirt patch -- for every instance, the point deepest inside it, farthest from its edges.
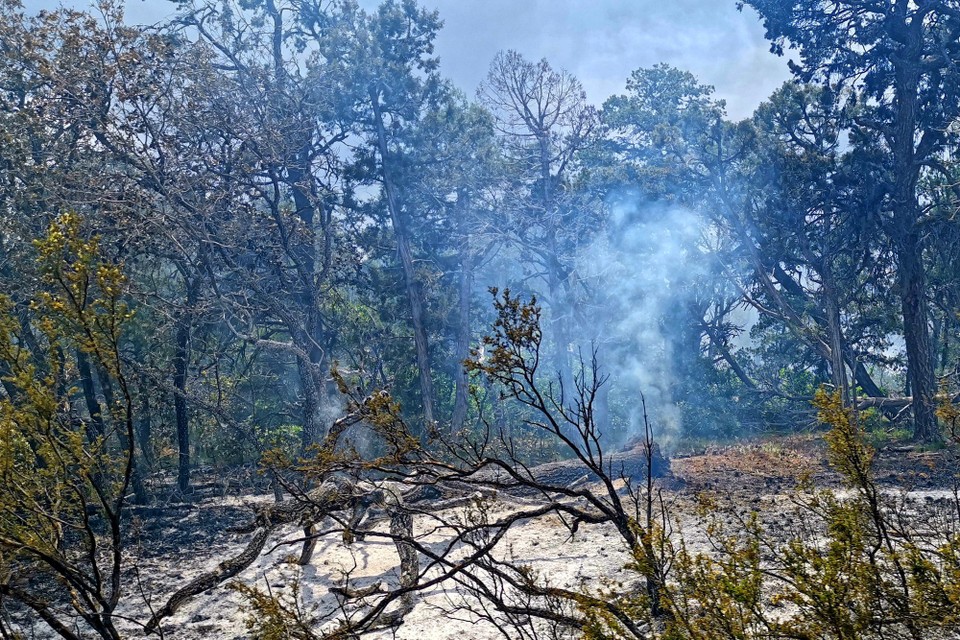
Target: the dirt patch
(174, 543)
(761, 467)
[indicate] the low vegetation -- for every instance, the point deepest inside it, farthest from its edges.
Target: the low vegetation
(255, 239)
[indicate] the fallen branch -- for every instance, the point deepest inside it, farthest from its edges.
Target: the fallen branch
(336, 494)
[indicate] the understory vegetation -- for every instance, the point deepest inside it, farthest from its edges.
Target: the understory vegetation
(263, 235)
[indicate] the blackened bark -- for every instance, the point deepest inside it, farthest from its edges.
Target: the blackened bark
(181, 360)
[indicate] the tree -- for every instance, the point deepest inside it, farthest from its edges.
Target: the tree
(812, 220)
(65, 475)
(231, 130)
(545, 121)
(59, 83)
(781, 203)
(894, 65)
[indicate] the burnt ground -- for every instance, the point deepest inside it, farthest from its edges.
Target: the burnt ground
(774, 465)
(174, 541)
(222, 499)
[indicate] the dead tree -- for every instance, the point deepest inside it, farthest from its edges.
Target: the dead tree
(338, 494)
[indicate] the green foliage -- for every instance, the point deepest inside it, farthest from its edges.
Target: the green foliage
(515, 342)
(720, 595)
(858, 563)
(63, 482)
(275, 616)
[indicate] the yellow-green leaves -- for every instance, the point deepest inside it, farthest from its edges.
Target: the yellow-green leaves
(61, 481)
(83, 294)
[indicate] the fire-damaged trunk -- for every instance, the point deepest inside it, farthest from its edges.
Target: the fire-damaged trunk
(411, 282)
(181, 361)
(629, 464)
(916, 335)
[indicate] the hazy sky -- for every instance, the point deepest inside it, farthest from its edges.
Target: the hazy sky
(599, 41)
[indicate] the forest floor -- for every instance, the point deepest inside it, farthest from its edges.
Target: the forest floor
(177, 543)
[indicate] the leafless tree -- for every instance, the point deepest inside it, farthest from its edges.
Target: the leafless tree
(545, 121)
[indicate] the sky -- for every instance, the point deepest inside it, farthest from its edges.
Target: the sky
(598, 41)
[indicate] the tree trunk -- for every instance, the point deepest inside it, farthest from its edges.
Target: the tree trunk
(181, 360)
(916, 334)
(906, 239)
(312, 428)
(861, 377)
(838, 369)
(126, 437)
(461, 380)
(412, 285)
(310, 274)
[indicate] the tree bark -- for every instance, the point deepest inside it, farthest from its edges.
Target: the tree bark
(311, 403)
(461, 380)
(412, 285)
(916, 334)
(906, 239)
(556, 278)
(838, 369)
(181, 360)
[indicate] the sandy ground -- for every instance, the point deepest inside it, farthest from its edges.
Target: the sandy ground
(592, 555)
(184, 542)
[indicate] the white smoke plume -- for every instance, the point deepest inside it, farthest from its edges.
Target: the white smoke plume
(646, 265)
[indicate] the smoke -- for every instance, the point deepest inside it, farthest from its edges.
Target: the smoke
(645, 267)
